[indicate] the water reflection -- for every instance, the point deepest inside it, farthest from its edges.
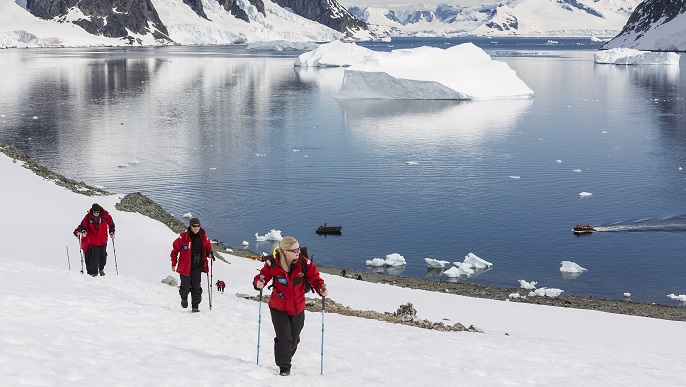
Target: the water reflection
(403, 121)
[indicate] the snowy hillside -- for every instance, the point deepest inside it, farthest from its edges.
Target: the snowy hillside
(658, 25)
(178, 23)
(63, 328)
(514, 17)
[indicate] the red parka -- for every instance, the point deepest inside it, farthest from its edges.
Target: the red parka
(181, 251)
(288, 292)
(96, 231)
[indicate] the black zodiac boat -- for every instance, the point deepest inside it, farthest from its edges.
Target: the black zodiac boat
(329, 229)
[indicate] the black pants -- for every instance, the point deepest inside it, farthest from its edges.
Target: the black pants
(287, 330)
(96, 258)
(191, 284)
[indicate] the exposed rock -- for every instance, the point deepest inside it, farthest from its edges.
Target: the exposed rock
(109, 18)
(171, 281)
(326, 12)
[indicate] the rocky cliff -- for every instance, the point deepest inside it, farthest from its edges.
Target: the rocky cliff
(327, 12)
(657, 25)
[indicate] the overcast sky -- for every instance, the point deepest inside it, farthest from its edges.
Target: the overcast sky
(426, 3)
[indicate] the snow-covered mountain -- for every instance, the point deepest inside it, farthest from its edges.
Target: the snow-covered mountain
(513, 17)
(658, 25)
(189, 22)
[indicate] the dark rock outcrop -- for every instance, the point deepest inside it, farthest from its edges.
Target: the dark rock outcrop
(327, 12)
(109, 18)
(196, 6)
(647, 16)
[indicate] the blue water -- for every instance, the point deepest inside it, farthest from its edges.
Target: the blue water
(248, 143)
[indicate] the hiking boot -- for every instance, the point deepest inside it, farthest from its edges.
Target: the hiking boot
(102, 273)
(94, 275)
(195, 309)
(184, 303)
(284, 371)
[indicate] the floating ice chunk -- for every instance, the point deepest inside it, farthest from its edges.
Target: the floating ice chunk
(296, 150)
(680, 298)
(629, 56)
(411, 162)
(98, 186)
(272, 235)
(3, 115)
(464, 268)
(395, 259)
(546, 292)
(452, 272)
(527, 285)
(627, 294)
(571, 267)
(133, 162)
(187, 215)
(377, 262)
(245, 243)
(558, 161)
(430, 262)
(473, 261)
(35, 117)
(514, 295)
(585, 194)
(213, 169)
(576, 170)
(515, 177)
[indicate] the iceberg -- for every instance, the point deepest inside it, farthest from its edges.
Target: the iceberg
(282, 45)
(394, 260)
(476, 262)
(630, 56)
(272, 235)
(527, 285)
(461, 72)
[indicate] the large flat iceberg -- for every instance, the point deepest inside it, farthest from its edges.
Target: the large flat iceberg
(629, 56)
(459, 72)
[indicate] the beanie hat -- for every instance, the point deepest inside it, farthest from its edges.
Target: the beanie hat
(96, 207)
(193, 221)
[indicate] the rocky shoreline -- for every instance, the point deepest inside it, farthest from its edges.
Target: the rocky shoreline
(137, 202)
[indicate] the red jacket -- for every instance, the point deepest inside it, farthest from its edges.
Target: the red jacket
(288, 291)
(96, 232)
(181, 251)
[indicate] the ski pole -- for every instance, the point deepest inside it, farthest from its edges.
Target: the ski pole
(321, 368)
(211, 279)
(81, 253)
(209, 284)
(115, 256)
(259, 322)
(68, 261)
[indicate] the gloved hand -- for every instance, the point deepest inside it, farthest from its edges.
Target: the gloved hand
(173, 268)
(210, 255)
(112, 235)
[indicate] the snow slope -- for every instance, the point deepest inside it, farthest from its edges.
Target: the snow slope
(60, 327)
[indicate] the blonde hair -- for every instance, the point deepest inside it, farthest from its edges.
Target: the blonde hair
(285, 244)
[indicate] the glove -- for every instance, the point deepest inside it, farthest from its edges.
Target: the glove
(211, 255)
(112, 235)
(173, 268)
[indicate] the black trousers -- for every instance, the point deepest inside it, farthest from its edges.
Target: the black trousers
(191, 284)
(96, 258)
(287, 330)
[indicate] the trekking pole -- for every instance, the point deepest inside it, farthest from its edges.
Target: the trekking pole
(209, 284)
(259, 322)
(68, 261)
(321, 368)
(81, 253)
(115, 256)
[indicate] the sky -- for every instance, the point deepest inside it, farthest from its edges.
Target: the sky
(63, 328)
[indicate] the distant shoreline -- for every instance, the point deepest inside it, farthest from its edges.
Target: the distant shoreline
(137, 202)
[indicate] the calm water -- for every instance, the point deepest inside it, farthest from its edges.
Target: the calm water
(248, 143)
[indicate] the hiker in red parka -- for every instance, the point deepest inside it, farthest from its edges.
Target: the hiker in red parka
(290, 270)
(94, 228)
(189, 255)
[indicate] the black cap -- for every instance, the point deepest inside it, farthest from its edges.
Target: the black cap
(96, 207)
(194, 221)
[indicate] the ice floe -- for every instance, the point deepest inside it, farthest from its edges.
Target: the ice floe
(272, 235)
(630, 56)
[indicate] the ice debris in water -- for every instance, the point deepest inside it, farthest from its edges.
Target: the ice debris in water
(680, 298)
(272, 235)
(546, 292)
(394, 259)
(571, 267)
(527, 285)
(585, 194)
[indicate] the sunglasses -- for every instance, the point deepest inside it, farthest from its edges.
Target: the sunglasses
(295, 251)
(195, 225)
